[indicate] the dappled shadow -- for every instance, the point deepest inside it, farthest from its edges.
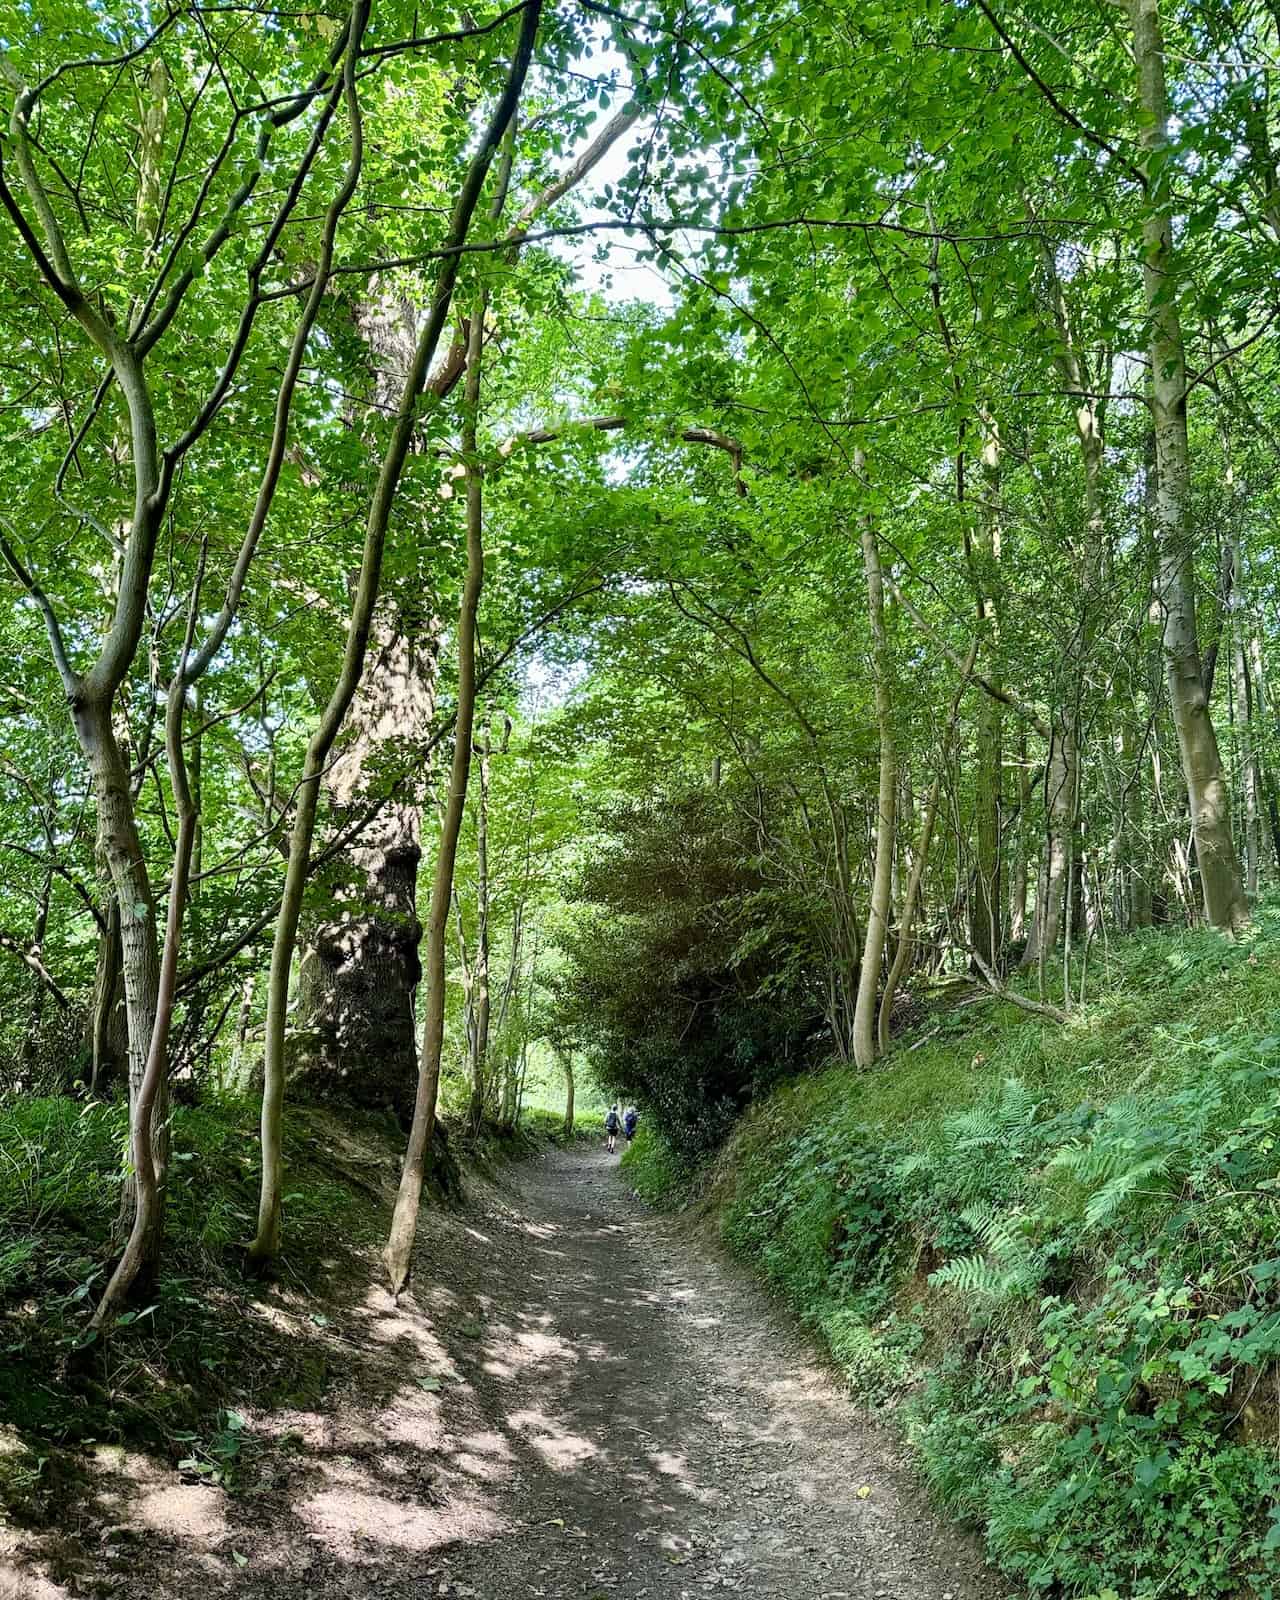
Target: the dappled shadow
(556, 1408)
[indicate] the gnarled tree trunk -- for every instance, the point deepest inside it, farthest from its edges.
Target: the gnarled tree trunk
(355, 1038)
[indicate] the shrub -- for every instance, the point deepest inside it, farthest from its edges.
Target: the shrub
(680, 978)
(654, 1171)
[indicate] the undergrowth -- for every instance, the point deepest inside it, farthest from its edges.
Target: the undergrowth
(184, 1361)
(1055, 1253)
(654, 1170)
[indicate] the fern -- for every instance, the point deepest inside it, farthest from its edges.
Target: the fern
(981, 1149)
(1124, 1157)
(1006, 1268)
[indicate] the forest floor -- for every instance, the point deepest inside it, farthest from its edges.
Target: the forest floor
(576, 1398)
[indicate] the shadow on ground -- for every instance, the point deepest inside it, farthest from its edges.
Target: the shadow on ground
(574, 1399)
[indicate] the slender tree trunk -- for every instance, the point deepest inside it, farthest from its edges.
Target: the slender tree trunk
(398, 1255)
(567, 1064)
(911, 898)
(266, 1243)
(1207, 790)
(1018, 878)
(1246, 741)
(480, 970)
(865, 1037)
(1062, 809)
(242, 1028)
(149, 1143)
(108, 1023)
(35, 1018)
(139, 970)
(987, 901)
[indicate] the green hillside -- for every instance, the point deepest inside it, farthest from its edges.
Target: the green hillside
(1051, 1252)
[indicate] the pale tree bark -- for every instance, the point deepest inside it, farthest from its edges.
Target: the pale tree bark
(142, 1245)
(43, 982)
(1207, 790)
(911, 897)
(266, 1243)
(479, 1038)
(566, 1063)
(1267, 799)
(1246, 741)
(91, 694)
(1018, 878)
(1133, 876)
(986, 903)
(1062, 772)
(865, 1037)
(398, 1254)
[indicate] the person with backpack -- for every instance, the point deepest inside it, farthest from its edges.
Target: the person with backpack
(630, 1118)
(611, 1126)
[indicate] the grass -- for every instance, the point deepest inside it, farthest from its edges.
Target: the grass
(172, 1378)
(654, 1171)
(1053, 1253)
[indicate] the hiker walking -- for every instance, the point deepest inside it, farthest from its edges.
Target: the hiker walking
(611, 1126)
(630, 1119)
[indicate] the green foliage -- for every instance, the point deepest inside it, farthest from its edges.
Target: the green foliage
(183, 1366)
(671, 982)
(1067, 1282)
(654, 1170)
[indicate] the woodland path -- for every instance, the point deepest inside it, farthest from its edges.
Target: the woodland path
(621, 1415)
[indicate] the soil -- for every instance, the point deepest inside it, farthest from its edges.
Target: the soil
(575, 1399)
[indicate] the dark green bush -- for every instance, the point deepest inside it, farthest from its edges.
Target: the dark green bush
(680, 980)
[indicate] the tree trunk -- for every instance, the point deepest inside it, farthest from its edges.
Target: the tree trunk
(480, 970)
(911, 899)
(398, 1255)
(1018, 878)
(986, 903)
(1207, 790)
(865, 1037)
(266, 1243)
(359, 969)
(108, 1024)
(567, 1065)
(139, 956)
(30, 1047)
(1246, 742)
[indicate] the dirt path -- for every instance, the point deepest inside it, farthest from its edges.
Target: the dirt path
(578, 1401)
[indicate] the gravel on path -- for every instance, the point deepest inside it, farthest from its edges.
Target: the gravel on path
(577, 1400)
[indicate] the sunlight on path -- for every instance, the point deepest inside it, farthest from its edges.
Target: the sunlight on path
(577, 1399)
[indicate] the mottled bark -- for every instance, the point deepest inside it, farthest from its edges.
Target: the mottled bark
(355, 1038)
